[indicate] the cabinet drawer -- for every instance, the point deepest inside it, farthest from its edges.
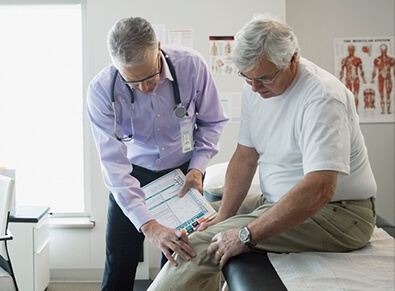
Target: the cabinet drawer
(41, 236)
(41, 269)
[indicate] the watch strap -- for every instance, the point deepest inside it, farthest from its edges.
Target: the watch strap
(249, 245)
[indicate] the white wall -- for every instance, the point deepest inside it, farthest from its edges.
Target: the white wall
(317, 23)
(78, 254)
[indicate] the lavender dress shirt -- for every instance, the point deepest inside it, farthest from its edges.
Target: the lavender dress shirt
(157, 135)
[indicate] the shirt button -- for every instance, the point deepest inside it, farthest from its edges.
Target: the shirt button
(163, 149)
(158, 115)
(158, 129)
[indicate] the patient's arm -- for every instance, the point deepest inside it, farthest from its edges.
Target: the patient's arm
(239, 175)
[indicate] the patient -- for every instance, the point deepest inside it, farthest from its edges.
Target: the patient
(300, 128)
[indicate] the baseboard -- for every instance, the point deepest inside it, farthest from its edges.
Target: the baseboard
(76, 275)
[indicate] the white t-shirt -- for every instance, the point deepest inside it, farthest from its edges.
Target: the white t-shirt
(312, 126)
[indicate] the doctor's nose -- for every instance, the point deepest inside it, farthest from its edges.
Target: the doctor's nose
(144, 87)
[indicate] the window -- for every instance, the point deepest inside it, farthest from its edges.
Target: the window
(41, 103)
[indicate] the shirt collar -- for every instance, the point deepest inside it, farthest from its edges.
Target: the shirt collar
(165, 74)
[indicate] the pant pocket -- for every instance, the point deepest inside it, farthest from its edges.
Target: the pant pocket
(349, 228)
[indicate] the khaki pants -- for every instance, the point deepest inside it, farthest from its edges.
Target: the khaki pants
(339, 227)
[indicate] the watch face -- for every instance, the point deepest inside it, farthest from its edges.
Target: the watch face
(244, 235)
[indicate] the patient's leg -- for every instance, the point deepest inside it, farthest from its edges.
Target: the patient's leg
(203, 271)
(340, 226)
(250, 203)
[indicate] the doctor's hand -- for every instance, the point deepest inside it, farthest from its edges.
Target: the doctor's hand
(225, 245)
(166, 238)
(193, 179)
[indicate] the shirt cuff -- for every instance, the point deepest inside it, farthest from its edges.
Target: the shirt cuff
(139, 216)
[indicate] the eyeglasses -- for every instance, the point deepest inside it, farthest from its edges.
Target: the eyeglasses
(149, 79)
(265, 81)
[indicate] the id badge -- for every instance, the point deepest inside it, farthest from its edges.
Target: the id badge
(186, 135)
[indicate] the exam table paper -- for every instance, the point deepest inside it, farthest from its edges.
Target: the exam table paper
(370, 268)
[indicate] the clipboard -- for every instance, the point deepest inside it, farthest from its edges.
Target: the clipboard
(186, 213)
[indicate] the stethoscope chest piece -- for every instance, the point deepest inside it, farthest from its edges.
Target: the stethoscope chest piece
(180, 111)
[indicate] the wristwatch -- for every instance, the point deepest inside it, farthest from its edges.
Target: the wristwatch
(244, 236)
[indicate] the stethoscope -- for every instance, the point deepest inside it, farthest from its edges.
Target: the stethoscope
(179, 110)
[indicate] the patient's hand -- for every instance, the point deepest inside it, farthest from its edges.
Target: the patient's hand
(166, 238)
(225, 245)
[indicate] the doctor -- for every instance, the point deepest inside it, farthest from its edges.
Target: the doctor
(152, 110)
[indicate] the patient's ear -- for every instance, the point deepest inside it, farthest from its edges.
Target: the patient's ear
(293, 61)
(294, 57)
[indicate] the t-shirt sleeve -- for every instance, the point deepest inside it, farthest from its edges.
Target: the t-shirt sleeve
(325, 136)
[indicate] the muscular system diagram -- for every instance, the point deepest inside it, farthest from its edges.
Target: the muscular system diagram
(366, 66)
(382, 66)
(352, 65)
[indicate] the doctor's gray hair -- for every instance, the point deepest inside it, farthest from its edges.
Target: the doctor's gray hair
(264, 36)
(128, 41)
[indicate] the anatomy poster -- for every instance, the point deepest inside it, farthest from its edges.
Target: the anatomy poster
(231, 102)
(366, 65)
(221, 62)
(181, 36)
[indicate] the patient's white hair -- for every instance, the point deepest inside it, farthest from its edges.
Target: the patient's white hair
(267, 36)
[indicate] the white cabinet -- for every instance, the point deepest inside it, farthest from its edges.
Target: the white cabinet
(29, 250)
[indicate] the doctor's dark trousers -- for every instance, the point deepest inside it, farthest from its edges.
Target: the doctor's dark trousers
(124, 242)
